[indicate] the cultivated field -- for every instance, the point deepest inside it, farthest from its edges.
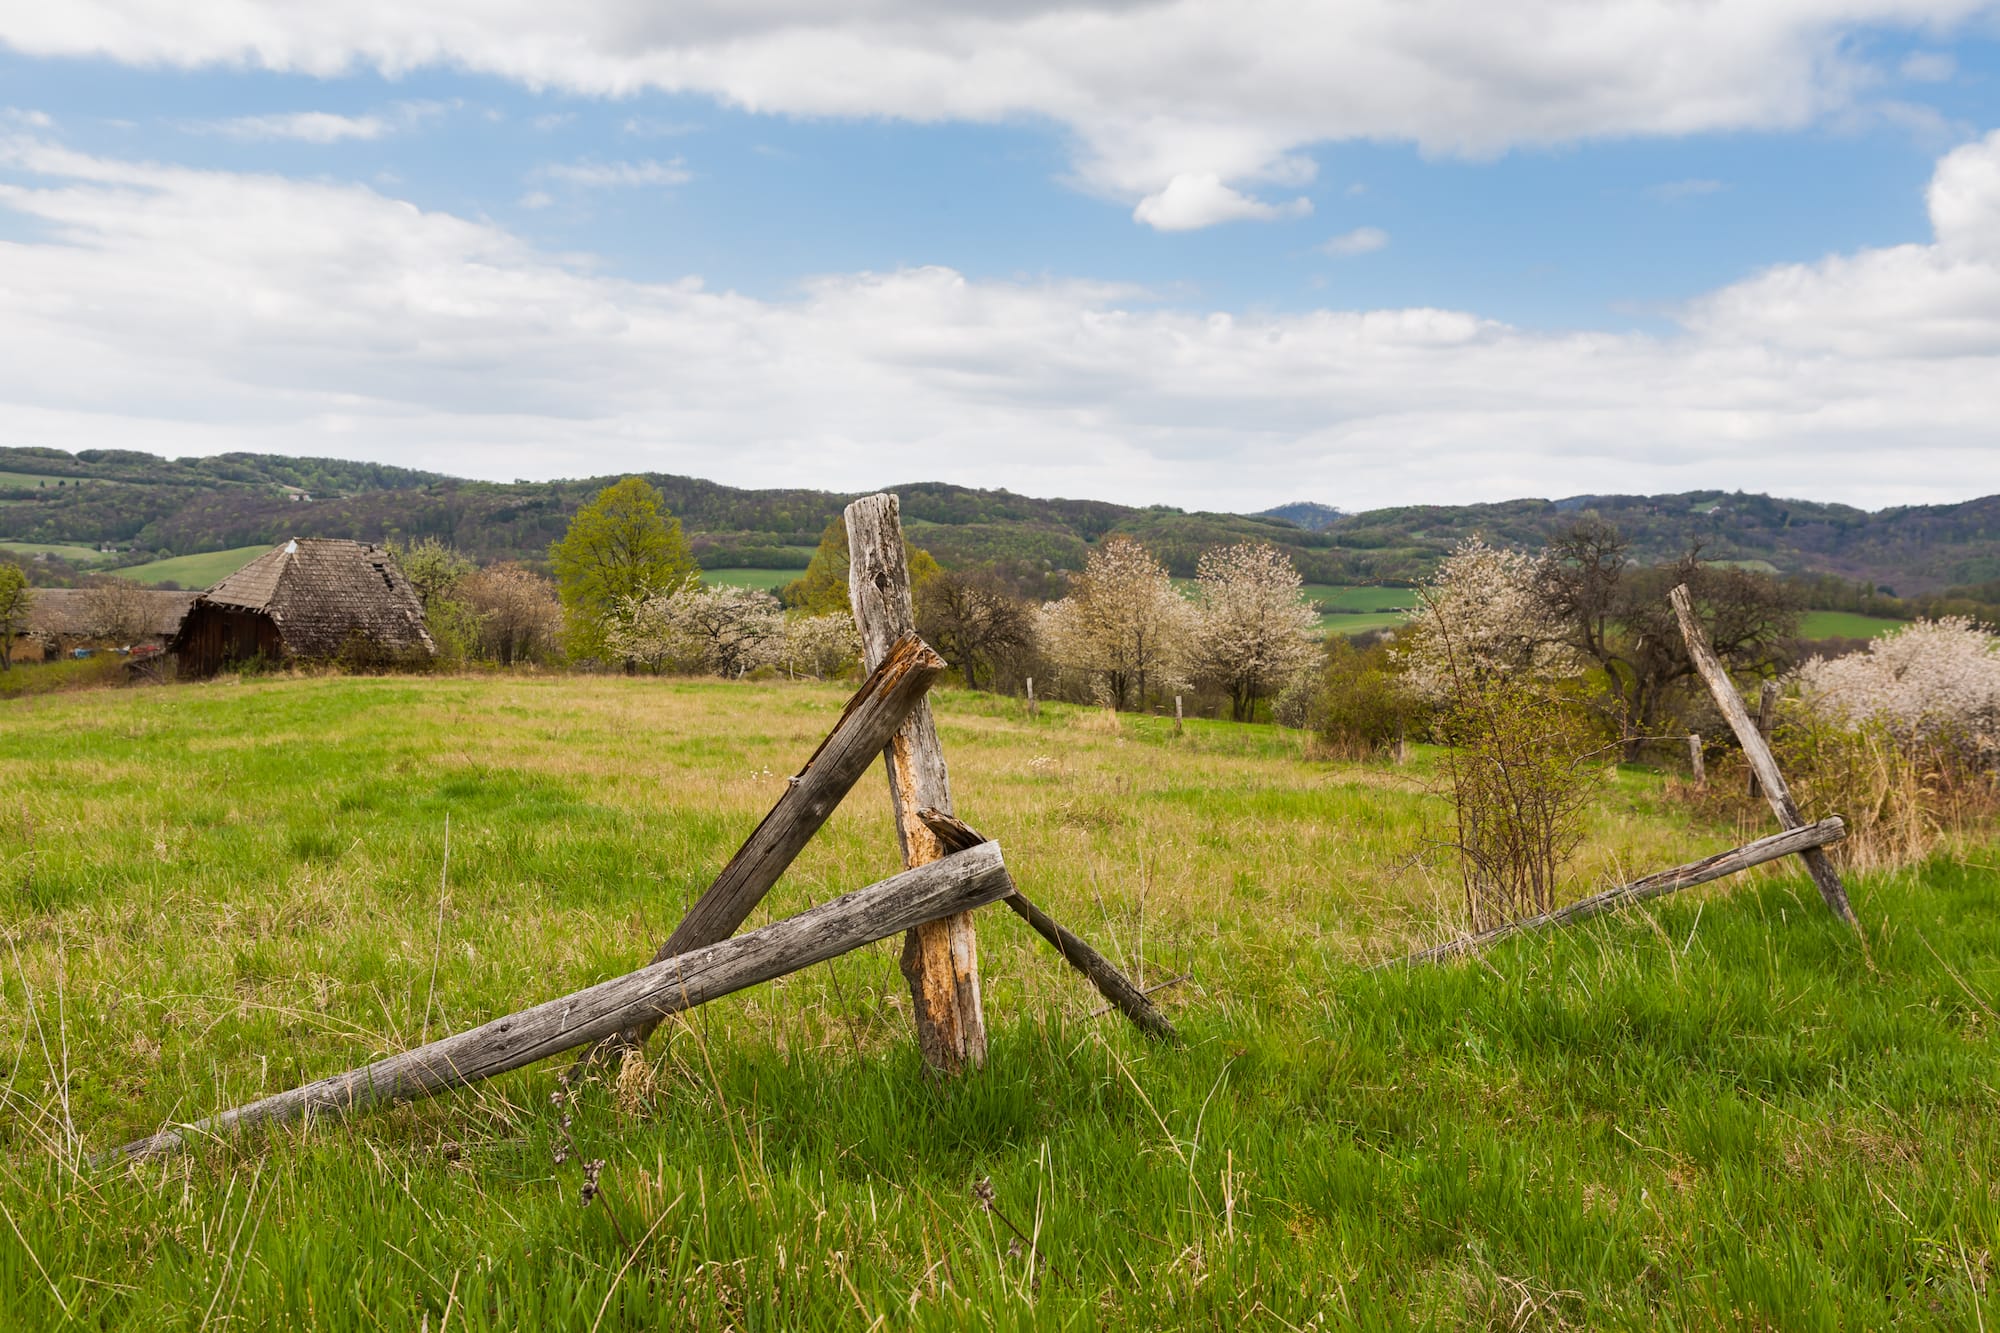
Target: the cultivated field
(195, 571)
(1708, 1112)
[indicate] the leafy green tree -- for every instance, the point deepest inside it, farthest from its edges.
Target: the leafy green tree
(822, 589)
(621, 548)
(437, 572)
(15, 599)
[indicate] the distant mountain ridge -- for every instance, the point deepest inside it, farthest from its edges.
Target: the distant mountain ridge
(155, 506)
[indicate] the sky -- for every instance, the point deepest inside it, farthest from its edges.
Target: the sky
(1220, 256)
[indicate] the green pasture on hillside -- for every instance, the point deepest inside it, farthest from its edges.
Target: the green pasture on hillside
(1845, 625)
(1709, 1111)
(76, 555)
(15, 480)
(195, 571)
(770, 580)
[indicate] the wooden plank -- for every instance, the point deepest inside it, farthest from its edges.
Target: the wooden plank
(940, 959)
(871, 718)
(955, 884)
(1767, 716)
(1757, 752)
(956, 836)
(1799, 840)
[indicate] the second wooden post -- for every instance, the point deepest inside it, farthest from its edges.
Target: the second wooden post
(940, 958)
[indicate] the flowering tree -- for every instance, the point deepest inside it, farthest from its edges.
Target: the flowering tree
(1254, 633)
(1933, 680)
(1123, 628)
(723, 629)
(819, 646)
(1479, 616)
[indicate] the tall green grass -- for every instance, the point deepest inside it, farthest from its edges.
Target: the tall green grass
(1712, 1111)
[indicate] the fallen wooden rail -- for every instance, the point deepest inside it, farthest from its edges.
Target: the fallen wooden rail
(1810, 837)
(954, 835)
(1758, 753)
(957, 883)
(881, 706)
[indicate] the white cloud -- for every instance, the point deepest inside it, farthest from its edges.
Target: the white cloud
(1154, 91)
(1928, 67)
(606, 175)
(303, 126)
(198, 311)
(1360, 241)
(1200, 199)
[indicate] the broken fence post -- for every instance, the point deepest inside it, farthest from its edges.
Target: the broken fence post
(1811, 837)
(940, 958)
(878, 708)
(1758, 753)
(1767, 716)
(958, 883)
(956, 836)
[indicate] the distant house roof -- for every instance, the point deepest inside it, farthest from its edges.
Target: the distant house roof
(320, 591)
(65, 613)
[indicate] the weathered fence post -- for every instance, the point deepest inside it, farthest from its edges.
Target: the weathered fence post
(1177, 715)
(1767, 714)
(940, 958)
(1031, 696)
(1695, 761)
(1758, 753)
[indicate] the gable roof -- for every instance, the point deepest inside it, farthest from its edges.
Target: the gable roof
(319, 591)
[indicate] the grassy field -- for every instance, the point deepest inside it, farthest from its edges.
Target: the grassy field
(195, 571)
(1711, 1111)
(1844, 625)
(770, 580)
(11, 480)
(76, 555)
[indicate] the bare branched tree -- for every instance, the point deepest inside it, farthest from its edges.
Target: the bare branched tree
(972, 622)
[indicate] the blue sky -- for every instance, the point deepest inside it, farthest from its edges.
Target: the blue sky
(1289, 256)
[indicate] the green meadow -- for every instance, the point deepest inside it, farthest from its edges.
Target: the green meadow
(195, 571)
(770, 580)
(1713, 1110)
(1845, 625)
(76, 555)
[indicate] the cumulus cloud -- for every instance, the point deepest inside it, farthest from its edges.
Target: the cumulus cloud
(1360, 241)
(1200, 199)
(1154, 91)
(200, 311)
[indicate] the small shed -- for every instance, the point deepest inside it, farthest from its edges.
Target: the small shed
(311, 599)
(62, 620)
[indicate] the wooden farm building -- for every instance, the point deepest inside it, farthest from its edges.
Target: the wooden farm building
(311, 599)
(61, 620)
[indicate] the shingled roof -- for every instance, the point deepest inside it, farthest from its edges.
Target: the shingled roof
(320, 591)
(65, 613)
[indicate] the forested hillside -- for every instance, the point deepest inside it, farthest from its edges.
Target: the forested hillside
(148, 508)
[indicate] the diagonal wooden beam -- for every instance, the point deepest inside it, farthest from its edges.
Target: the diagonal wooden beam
(1791, 841)
(1758, 753)
(955, 884)
(940, 959)
(954, 835)
(871, 718)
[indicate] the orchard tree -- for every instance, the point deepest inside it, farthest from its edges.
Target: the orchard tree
(116, 611)
(16, 599)
(516, 611)
(621, 548)
(437, 572)
(1254, 632)
(1594, 604)
(1123, 627)
(972, 622)
(725, 629)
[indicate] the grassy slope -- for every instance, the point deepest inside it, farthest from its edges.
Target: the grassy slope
(768, 579)
(76, 555)
(195, 571)
(1708, 1112)
(1844, 625)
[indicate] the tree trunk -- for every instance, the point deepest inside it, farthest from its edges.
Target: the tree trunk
(940, 958)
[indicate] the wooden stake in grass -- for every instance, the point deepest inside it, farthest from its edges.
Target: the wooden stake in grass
(940, 958)
(1695, 762)
(1811, 837)
(1177, 715)
(956, 836)
(1767, 715)
(894, 687)
(957, 883)
(1758, 753)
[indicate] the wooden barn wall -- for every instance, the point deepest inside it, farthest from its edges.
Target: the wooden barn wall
(213, 638)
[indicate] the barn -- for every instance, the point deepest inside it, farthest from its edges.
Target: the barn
(313, 599)
(63, 620)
